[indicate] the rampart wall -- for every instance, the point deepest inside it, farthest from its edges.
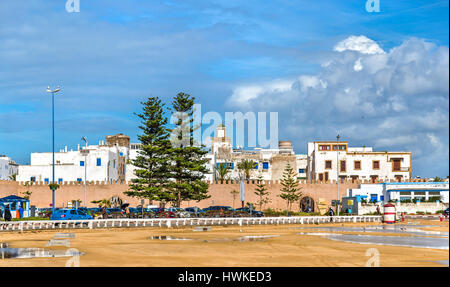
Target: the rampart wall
(41, 196)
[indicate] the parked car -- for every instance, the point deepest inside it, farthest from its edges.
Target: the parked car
(69, 214)
(254, 212)
(179, 212)
(191, 210)
(115, 212)
(44, 212)
(95, 212)
(219, 207)
(163, 213)
(446, 212)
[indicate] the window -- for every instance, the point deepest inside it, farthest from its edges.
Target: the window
(374, 178)
(376, 164)
(81, 163)
(60, 180)
(265, 165)
(357, 165)
(73, 212)
(46, 180)
(396, 164)
(320, 176)
(33, 179)
(324, 147)
(343, 166)
(326, 176)
(79, 179)
(339, 147)
(301, 170)
(328, 164)
(231, 164)
(114, 163)
(99, 162)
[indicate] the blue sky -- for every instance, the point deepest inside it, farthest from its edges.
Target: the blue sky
(113, 54)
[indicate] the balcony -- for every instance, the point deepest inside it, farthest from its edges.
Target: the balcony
(401, 169)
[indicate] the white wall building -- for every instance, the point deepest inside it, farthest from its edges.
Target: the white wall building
(401, 191)
(356, 163)
(8, 168)
(102, 162)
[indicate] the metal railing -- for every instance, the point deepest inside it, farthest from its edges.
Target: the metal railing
(176, 222)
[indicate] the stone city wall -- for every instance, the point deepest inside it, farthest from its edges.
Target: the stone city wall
(220, 193)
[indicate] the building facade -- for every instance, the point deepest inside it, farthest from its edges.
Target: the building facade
(103, 162)
(401, 191)
(325, 158)
(8, 168)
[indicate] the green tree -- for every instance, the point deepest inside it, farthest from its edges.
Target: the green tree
(437, 179)
(234, 193)
(153, 159)
(290, 190)
(27, 194)
(222, 171)
(188, 164)
(261, 192)
(246, 166)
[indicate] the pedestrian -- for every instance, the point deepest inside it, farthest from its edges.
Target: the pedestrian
(20, 212)
(7, 214)
(330, 213)
(378, 210)
(104, 212)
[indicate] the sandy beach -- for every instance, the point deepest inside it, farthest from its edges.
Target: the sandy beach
(220, 247)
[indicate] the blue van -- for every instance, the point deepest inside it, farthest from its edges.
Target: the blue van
(69, 214)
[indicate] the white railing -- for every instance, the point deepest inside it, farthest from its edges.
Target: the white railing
(176, 222)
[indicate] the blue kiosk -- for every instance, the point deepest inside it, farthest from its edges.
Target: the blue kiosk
(14, 202)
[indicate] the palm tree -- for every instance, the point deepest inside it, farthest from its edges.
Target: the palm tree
(246, 166)
(104, 202)
(234, 193)
(222, 171)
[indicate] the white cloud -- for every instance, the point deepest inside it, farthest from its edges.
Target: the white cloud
(397, 100)
(244, 94)
(360, 44)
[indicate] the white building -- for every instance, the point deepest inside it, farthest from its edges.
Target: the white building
(269, 163)
(8, 168)
(103, 162)
(401, 191)
(356, 163)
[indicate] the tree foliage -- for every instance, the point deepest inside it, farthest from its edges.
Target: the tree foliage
(246, 166)
(290, 190)
(153, 160)
(261, 192)
(221, 171)
(187, 167)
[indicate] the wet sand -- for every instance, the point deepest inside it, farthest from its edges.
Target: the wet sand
(133, 247)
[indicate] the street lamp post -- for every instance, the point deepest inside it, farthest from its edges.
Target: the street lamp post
(337, 180)
(53, 143)
(85, 152)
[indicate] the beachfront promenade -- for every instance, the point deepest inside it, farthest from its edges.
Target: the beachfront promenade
(177, 222)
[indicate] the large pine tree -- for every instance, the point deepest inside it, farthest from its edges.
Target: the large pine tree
(153, 160)
(188, 164)
(290, 190)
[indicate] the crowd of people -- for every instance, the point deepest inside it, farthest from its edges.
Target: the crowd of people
(6, 214)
